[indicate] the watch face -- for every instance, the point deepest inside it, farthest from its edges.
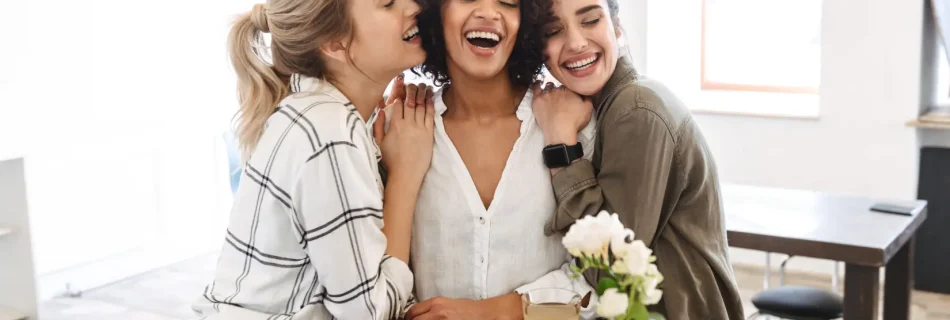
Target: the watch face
(556, 156)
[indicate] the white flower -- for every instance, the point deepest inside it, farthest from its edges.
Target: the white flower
(651, 296)
(591, 235)
(654, 273)
(610, 222)
(619, 267)
(612, 303)
(652, 279)
(618, 242)
(636, 261)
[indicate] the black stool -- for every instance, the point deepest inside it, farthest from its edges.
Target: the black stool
(797, 302)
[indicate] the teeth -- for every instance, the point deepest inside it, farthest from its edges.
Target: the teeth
(483, 35)
(582, 63)
(411, 33)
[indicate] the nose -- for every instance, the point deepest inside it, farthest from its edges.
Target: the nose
(576, 41)
(413, 9)
(488, 10)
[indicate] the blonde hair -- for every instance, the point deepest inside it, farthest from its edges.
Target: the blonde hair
(298, 28)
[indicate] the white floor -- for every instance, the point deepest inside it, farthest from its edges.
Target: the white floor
(163, 294)
(167, 294)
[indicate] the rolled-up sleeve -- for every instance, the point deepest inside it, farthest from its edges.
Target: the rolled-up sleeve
(637, 158)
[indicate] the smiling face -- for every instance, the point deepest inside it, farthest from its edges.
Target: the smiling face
(583, 45)
(386, 39)
(480, 35)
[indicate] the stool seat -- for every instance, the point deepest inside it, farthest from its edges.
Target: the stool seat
(799, 303)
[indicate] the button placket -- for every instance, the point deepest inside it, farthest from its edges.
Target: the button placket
(484, 230)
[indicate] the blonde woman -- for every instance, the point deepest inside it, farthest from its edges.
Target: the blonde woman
(306, 237)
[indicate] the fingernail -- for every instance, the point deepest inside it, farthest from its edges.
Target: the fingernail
(400, 76)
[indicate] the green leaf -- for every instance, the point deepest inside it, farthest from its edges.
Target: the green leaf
(575, 269)
(638, 311)
(604, 284)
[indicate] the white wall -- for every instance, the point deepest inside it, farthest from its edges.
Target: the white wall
(870, 86)
(119, 107)
(17, 285)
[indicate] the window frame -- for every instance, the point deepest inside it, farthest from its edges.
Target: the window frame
(707, 84)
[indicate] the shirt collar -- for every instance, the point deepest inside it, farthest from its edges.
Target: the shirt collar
(523, 112)
(623, 73)
(300, 83)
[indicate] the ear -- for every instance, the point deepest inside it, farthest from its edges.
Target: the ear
(617, 29)
(335, 50)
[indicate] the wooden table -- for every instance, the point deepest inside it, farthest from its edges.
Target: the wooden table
(833, 227)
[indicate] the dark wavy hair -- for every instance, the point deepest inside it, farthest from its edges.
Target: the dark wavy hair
(527, 57)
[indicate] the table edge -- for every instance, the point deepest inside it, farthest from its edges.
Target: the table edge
(866, 256)
(920, 215)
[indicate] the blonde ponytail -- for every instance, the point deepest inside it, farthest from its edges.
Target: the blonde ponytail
(297, 29)
(260, 86)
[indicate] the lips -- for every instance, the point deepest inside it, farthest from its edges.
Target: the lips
(411, 34)
(483, 39)
(582, 65)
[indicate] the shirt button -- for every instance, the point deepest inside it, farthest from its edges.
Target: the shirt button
(481, 220)
(482, 259)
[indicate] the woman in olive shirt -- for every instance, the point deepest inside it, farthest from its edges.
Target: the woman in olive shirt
(651, 164)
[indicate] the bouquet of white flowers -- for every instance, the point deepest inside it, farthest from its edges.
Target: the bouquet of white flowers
(602, 242)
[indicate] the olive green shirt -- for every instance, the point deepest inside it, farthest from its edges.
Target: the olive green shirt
(653, 168)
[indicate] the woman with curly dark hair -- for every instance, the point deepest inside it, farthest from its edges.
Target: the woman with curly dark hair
(478, 241)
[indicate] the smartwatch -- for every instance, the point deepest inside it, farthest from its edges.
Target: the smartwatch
(561, 155)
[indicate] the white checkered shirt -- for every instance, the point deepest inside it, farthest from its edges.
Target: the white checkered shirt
(304, 239)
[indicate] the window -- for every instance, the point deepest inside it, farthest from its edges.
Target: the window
(738, 56)
(781, 53)
(943, 76)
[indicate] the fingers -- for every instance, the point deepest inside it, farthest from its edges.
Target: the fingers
(398, 90)
(411, 90)
(418, 309)
(421, 95)
(420, 112)
(397, 110)
(378, 127)
(431, 316)
(549, 86)
(430, 114)
(536, 88)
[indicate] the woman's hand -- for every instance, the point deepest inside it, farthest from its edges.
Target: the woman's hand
(560, 113)
(418, 93)
(407, 144)
(507, 307)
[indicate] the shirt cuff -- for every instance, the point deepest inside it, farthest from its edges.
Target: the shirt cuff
(400, 275)
(586, 137)
(578, 174)
(561, 279)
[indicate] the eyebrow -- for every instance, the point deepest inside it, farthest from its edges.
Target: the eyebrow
(580, 11)
(587, 9)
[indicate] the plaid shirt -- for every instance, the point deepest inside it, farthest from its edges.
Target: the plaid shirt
(304, 239)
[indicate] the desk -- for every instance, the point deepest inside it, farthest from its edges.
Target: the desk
(840, 228)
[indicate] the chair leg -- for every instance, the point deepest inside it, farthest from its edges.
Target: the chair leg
(781, 271)
(768, 270)
(834, 278)
(752, 316)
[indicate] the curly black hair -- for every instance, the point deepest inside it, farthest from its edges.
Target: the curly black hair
(526, 59)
